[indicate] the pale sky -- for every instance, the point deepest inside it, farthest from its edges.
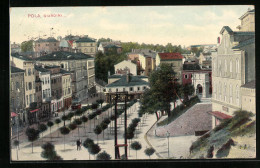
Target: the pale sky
(179, 25)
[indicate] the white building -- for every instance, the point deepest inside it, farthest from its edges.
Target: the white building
(126, 66)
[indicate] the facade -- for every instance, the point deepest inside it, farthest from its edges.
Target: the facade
(66, 88)
(45, 46)
(85, 45)
(173, 59)
(200, 81)
(38, 96)
(145, 59)
(17, 102)
(126, 66)
(248, 97)
(134, 85)
(80, 65)
(233, 66)
(247, 21)
(66, 45)
(45, 78)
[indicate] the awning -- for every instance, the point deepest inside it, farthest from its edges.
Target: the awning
(32, 111)
(220, 115)
(13, 114)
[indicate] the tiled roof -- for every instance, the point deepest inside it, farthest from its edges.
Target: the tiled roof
(170, 56)
(63, 55)
(50, 39)
(85, 39)
(15, 69)
(41, 69)
(134, 81)
(220, 115)
(22, 57)
(244, 43)
(249, 85)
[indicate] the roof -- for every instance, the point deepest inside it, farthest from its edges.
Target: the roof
(112, 46)
(22, 57)
(250, 85)
(40, 68)
(85, 39)
(120, 76)
(227, 28)
(50, 39)
(51, 66)
(64, 43)
(134, 81)
(170, 56)
(16, 70)
(245, 14)
(220, 115)
(244, 43)
(63, 55)
(63, 71)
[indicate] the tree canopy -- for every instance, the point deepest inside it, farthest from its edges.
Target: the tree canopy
(27, 46)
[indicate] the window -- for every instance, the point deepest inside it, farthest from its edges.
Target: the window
(38, 45)
(30, 85)
(116, 89)
(27, 99)
(144, 88)
(31, 98)
(91, 49)
(131, 89)
(36, 88)
(54, 44)
(109, 90)
(26, 85)
(225, 91)
(237, 93)
(230, 93)
(123, 89)
(69, 90)
(17, 85)
(138, 88)
(29, 72)
(186, 76)
(219, 91)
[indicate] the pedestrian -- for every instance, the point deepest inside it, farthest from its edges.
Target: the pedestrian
(78, 144)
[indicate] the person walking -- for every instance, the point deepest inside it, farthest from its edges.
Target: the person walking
(80, 143)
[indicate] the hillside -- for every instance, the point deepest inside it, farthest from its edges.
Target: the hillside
(233, 138)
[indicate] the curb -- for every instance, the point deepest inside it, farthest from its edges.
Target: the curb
(145, 137)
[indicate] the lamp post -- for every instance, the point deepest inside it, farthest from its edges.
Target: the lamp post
(18, 104)
(168, 135)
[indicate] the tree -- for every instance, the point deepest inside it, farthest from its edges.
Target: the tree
(32, 135)
(84, 119)
(50, 124)
(94, 149)
(97, 131)
(87, 143)
(64, 118)
(149, 151)
(72, 126)
(91, 116)
(16, 144)
(187, 89)
(94, 106)
(130, 136)
(100, 101)
(136, 146)
(78, 122)
(42, 128)
(64, 131)
(58, 121)
(49, 152)
(70, 115)
(78, 112)
(103, 156)
(103, 126)
(27, 46)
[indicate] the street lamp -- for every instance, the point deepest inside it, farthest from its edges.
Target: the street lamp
(168, 135)
(18, 104)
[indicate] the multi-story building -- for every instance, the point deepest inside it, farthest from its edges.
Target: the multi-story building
(56, 88)
(66, 88)
(145, 59)
(115, 46)
(174, 60)
(126, 66)
(248, 98)
(85, 45)
(15, 48)
(233, 66)
(17, 102)
(38, 95)
(247, 21)
(45, 46)
(80, 65)
(44, 76)
(134, 85)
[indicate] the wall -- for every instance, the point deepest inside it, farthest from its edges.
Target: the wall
(122, 65)
(248, 99)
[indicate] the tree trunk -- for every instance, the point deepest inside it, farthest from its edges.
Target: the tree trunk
(85, 128)
(136, 154)
(64, 141)
(157, 117)
(78, 130)
(58, 131)
(32, 146)
(97, 138)
(50, 133)
(17, 152)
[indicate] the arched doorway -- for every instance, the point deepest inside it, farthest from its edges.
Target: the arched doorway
(199, 89)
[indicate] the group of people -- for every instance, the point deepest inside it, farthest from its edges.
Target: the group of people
(79, 142)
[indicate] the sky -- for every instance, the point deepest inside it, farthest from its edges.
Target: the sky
(179, 25)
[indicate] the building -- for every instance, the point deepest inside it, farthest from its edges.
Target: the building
(233, 66)
(145, 60)
(80, 65)
(247, 21)
(45, 46)
(126, 66)
(134, 85)
(174, 60)
(85, 45)
(114, 46)
(45, 78)
(248, 97)
(17, 92)
(66, 45)
(38, 96)
(56, 88)
(66, 88)
(15, 48)
(200, 81)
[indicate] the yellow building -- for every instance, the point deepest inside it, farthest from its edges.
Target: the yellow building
(247, 21)
(85, 45)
